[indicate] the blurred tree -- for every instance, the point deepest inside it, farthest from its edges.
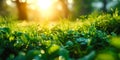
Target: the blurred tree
(61, 8)
(82, 7)
(22, 9)
(104, 5)
(65, 7)
(117, 5)
(3, 8)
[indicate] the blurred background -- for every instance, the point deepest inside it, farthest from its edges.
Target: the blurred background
(54, 9)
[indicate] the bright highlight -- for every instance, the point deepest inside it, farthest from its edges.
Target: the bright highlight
(44, 4)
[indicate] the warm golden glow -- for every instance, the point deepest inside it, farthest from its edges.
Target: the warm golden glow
(44, 4)
(70, 1)
(43, 9)
(9, 3)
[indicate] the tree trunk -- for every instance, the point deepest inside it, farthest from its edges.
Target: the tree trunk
(3, 10)
(64, 11)
(22, 10)
(104, 5)
(65, 7)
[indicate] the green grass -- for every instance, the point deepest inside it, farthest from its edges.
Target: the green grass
(91, 37)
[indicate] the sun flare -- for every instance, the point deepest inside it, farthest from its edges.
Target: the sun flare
(44, 4)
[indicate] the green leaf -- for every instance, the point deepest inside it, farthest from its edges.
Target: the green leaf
(53, 48)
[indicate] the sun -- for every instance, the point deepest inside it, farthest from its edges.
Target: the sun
(44, 4)
(44, 9)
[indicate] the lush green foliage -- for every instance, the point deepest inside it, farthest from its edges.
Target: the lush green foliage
(90, 37)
